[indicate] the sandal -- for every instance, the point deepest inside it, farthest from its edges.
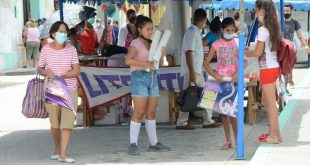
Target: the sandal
(267, 140)
(263, 136)
(227, 145)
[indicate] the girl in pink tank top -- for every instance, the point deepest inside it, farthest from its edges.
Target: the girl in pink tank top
(144, 87)
(227, 65)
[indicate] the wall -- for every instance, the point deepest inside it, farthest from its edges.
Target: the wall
(35, 8)
(10, 38)
(41, 8)
(12, 52)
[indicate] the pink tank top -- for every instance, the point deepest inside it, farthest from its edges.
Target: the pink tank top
(227, 57)
(143, 53)
(33, 34)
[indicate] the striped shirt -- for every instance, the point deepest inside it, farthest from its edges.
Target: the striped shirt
(60, 61)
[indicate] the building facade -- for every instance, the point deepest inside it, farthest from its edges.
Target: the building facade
(13, 15)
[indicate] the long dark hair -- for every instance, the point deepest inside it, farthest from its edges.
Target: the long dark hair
(228, 21)
(141, 21)
(271, 22)
(216, 24)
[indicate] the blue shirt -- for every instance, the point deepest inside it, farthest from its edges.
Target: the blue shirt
(211, 37)
(115, 34)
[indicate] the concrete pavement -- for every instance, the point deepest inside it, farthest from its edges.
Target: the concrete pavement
(295, 128)
(28, 141)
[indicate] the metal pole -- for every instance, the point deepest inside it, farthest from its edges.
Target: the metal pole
(61, 10)
(282, 15)
(240, 117)
(308, 28)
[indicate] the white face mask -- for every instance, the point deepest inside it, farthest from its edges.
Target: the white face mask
(228, 36)
(61, 37)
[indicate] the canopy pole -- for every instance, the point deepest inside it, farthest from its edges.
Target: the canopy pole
(282, 16)
(240, 116)
(61, 10)
(308, 27)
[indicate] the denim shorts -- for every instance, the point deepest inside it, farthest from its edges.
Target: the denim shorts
(144, 84)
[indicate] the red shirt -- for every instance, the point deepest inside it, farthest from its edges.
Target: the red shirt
(88, 40)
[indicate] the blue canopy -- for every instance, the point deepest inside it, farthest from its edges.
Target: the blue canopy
(250, 5)
(99, 2)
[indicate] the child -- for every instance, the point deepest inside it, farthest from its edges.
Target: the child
(144, 87)
(227, 65)
(268, 42)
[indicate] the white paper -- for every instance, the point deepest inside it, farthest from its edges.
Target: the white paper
(154, 45)
(162, 43)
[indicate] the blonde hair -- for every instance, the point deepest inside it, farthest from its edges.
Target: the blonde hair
(32, 23)
(28, 24)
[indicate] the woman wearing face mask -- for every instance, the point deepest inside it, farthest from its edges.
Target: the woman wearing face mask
(107, 35)
(59, 58)
(87, 36)
(128, 31)
(226, 51)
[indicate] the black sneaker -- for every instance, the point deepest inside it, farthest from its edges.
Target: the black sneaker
(159, 148)
(133, 149)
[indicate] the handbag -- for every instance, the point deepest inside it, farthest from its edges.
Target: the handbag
(188, 99)
(33, 103)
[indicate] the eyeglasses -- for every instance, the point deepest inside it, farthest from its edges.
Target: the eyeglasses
(62, 31)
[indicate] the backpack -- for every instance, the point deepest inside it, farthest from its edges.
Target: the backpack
(286, 56)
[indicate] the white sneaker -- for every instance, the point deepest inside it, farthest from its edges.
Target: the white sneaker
(55, 157)
(67, 160)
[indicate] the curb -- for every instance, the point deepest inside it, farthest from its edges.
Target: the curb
(19, 72)
(264, 150)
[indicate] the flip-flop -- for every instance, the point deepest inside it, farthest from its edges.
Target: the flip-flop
(263, 136)
(267, 140)
(227, 145)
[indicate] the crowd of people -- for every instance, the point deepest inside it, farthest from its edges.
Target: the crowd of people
(60, 57)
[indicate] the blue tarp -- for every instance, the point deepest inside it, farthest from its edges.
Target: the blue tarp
(250, 5)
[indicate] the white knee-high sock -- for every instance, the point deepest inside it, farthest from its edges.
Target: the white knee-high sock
(150, 126)
(134, 132)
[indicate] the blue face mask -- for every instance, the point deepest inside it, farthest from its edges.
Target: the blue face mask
(81, 31)
(91, 20)
(228, 36)
(61, 37)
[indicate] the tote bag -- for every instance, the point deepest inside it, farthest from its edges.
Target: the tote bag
(33, 103)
